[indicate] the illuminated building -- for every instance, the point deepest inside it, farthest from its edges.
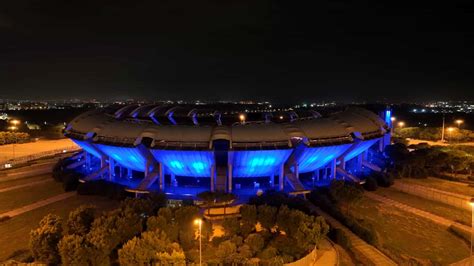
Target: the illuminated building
(189, 149)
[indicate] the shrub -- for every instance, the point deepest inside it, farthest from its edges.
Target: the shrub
(384, 180)
(75, 250)
(71, 181)
(44, 240)
(370, 184)
(80, 220)
(151, 248)
(103, 188)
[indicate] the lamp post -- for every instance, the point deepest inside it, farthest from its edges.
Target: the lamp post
(459, 122)
(450, 130)
(471, 202)
(14, 127)
(198, 222)
(242, 118)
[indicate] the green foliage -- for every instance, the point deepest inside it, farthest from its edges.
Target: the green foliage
(267, 216)
(151, 248)
(255, 243)
(231, 226)
(80, 220)
(44, 240)
(76, 250)
(227, 252)
(115, 228)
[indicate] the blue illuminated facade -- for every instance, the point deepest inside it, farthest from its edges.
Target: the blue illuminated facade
(258, 163)
(147, 149)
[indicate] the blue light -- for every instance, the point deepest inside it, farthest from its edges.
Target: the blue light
(388, 117)
(186, 163)
(258, 163)
(310, 159)
(361, 147)
(125, 156)
(87, 146)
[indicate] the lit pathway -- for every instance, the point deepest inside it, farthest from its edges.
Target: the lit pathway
(38, 204)
(359, 245)
(435, 218)
(26, 185)
(327, 254)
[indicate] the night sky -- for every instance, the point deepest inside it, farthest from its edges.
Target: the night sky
(281, 51)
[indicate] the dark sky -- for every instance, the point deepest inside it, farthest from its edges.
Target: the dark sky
(284, 51)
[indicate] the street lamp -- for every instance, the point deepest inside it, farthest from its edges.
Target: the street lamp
(401, 124)
(14, 127)
(450, 130)
(459, 122)
(393, 118)
(242, 118)
(471, 202)
(198, 222)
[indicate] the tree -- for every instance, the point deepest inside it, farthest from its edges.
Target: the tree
(226, 252)
(255, 242)
(80, 220)
(231, 226)
(76, 250)
(44, 240)
(266, 216)
(311, 231)
(113, 229)
(151, 248)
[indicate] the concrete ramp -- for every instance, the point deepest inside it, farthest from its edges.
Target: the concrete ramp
(372, 166)
(148, 181)
(95, 175)
(293, 181)
(347, 175)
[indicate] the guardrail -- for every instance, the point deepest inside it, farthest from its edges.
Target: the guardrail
(24, 159)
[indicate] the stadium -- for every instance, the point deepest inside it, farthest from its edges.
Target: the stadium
(183, 150)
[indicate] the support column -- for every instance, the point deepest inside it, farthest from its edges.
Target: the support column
(281, 177)
(103, 163)
(174, 183)
(111, 169)
(88, 161)
(360, 159)
(272, 180)
(129, 173)
(161, 177)
(381, 144)
(229, 181)
(333, 169)
(213, 173)
(147, 168)
(297, 171)
(316, 174)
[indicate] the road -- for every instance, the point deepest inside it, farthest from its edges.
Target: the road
(26, 149)
(438, 143)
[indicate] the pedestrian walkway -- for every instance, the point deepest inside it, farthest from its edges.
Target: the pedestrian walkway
(359, 246)
(38, 204)
(327, 254)
(34, 183)
(435, 218)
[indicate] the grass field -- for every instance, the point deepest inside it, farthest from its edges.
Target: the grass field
(15, 232)
(441, 184)
(435, 207)
(405, 233)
